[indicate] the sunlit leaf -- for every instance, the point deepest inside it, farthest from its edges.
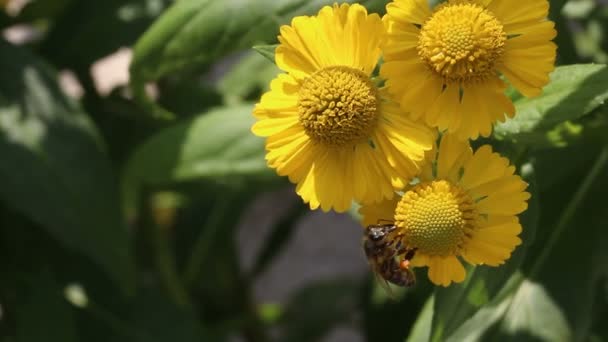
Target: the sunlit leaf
(574, 91)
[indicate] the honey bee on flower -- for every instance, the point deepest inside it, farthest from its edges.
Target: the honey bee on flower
(465, 207)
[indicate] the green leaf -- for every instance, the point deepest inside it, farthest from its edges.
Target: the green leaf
(240, 83)
(54, 170)
(42, 312)
(574, 91)
(457, 303)
(534, 315)
(217, 146)
(580, 235)
(421, 331)
(522, 312)
(154, 318)
(267, 51)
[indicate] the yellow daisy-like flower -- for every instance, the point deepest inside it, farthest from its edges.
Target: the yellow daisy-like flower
(465, 206)
(330, 128)
(445, 64)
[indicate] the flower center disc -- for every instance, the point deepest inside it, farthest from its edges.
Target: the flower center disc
(338, 106)
(435, 217)
(461, 42)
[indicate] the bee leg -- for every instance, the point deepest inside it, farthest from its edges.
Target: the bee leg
(409, 254)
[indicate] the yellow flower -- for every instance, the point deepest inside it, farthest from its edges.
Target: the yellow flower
(465, 206)
(445, 65)
(330, 128)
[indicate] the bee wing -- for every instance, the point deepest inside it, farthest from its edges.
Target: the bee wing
(383, 282)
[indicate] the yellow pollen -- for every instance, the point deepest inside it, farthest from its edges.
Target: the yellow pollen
(435, 217)
(338, 106)
(462, 42)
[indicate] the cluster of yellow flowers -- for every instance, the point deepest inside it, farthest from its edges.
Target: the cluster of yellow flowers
(398, 144)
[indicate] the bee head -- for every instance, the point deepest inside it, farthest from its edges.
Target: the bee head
(376, 234)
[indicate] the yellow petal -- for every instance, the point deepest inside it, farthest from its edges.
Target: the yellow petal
(445, 111)
(527, 67)
(515, 12)
(478, 252)
(511, 204)
(339, 35)
(445, 270)
(503, 185)
(411, 83)
(408, 11)
(380, 211)
(402, 141)
(306, 189)
(483, 104)
(281, 100)
(268, 127)
(369, 163)
(483, 167)
(453, 153)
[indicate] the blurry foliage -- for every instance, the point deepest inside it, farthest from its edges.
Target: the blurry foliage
(131, 200)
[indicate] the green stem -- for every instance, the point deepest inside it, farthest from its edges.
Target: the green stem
(204, 240)
(156, 112)
(568, 214)
(165, 260)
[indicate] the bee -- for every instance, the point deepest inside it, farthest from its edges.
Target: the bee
(382, 251)
(375, 239)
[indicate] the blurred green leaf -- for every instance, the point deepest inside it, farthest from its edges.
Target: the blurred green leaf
(522, 312)
(42, 312)
(154, 318)
(534, 315)
(241, 83)
(54, 170)
(217, 146)
(421, 331)
(457, 303)
(40, 10)
(267, 51)
(574, 91)
(192, 34)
